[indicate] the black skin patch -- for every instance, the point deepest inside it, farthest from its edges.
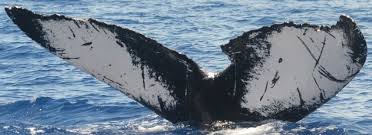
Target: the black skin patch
(329, 76)
(120, 44)
(321, 91)
(104, 31)
(86, 26)
(70, 58)
(307, 48)
(275, 79)
(94, 27)
(302, 102)
(73, 34)
(87, 44)
(143, 76)
(76, 23)
(206, 99)
(111, 81)
(304, 32)
(311, 39)
(321, 52)
(329, 33)
(356, 41)
(264, 91)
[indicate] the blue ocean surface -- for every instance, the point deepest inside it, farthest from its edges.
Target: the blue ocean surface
(42, 94)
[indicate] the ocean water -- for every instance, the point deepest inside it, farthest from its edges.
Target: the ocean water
(42, 94)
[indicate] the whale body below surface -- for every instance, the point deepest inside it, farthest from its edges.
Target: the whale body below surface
(284, 71)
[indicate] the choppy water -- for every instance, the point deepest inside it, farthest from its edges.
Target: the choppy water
(42, 94)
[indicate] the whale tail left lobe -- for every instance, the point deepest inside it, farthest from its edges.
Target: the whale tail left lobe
(140, 67)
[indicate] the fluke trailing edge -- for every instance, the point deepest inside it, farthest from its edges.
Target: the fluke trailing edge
(284, 71)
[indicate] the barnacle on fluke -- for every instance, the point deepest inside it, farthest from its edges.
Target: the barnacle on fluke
(284, 71)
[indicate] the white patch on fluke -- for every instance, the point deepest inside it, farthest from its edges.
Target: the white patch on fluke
(293, 58)
(97, 53)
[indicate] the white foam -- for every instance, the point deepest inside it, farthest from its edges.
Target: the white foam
(34, 131)
(156, 128)
(259, 130)
(88, 130)
(211, 74)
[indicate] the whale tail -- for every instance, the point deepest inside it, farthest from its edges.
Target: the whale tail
(284, 71)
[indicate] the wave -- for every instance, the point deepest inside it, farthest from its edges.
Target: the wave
(45, 115)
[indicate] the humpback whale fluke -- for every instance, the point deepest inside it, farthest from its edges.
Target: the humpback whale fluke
(284, 71)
